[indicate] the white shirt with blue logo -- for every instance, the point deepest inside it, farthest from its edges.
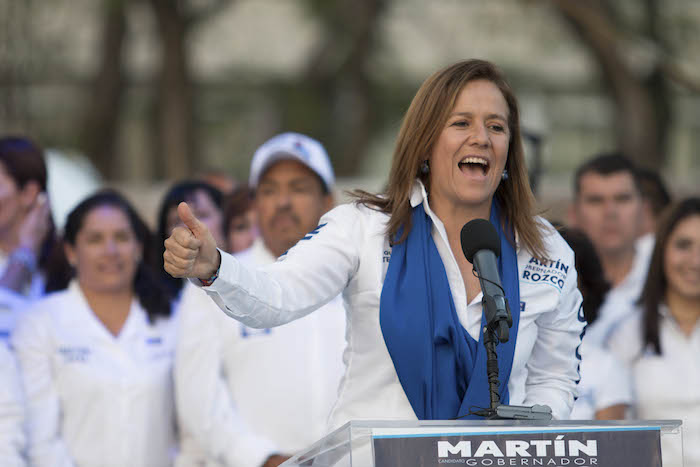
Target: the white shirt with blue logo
(244, 393)
(94, 399)
(349, 254)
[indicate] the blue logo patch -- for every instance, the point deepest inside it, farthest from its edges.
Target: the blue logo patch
(302, 150)
(251, 332)
(549, 272)
(75, 354)
(154, 341)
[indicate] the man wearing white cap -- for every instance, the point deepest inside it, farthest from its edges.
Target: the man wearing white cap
(251, 397)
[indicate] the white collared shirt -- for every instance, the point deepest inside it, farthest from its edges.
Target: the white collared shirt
(665, 386)
(94, 399)
(12, 438)
(621, 300)
(350, 253)
(244, 394)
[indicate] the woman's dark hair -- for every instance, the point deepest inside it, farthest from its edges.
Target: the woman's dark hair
(239, 202)
(591, 278)
(23, 160)
(181, 191)
(147, 288)
(654, 291)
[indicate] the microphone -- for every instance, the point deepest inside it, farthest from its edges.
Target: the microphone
(482, 247)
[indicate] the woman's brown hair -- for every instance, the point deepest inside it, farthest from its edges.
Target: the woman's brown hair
(654, 291)
(419, 132)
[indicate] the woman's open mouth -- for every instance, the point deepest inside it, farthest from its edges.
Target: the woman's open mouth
(474, 165)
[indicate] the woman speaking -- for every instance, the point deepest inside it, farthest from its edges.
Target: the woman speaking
(414, 313)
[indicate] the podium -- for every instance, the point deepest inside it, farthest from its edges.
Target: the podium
(498, 443)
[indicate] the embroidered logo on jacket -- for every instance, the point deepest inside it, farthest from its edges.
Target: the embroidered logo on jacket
(550, 272)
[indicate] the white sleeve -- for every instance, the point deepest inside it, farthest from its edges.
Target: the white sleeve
(553, 367)
(204, 405)
(615, 384)
(307, 277)
(12, 438)
(32, 343)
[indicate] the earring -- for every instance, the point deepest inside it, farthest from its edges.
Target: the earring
(425, 167)
(504, 175)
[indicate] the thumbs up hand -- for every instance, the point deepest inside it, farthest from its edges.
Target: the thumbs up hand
(190, 251)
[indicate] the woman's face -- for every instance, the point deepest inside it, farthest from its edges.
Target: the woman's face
(241, 232)
(106, 251)
(471, 151)
(682, 259)
(10, 206)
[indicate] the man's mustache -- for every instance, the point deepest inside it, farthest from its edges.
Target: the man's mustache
(282, 213)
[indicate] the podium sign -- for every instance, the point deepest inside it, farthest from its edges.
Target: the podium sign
(602, 447)
(497, 443)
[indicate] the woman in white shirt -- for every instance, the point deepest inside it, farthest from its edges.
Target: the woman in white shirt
(96, 358)
(661, 344)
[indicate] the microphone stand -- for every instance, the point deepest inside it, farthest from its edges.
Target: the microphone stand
(498, 323)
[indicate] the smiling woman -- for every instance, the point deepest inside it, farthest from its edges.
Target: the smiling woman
(96, 357)
(661, 343)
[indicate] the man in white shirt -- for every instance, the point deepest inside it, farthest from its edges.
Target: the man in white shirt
(251, 397)
(608, 208)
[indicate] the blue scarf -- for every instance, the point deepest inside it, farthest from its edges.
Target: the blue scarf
(442, 369)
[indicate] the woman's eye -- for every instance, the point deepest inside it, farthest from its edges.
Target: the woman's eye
(498, 128)
(460, 123)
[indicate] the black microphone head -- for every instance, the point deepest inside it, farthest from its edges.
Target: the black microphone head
(479, 234)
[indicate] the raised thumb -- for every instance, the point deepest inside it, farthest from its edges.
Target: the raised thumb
(191, 222)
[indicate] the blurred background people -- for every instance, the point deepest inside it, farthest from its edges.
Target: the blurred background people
(240, 224)
(96, 357)
(219, 179)
(604, 391)
(12, 412)
(252, 397)
(655, 198)
(607, 207)
(205, 199)
(661, 344)
(26, 230)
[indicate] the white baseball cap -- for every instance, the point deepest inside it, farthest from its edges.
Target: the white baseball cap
(293, 146)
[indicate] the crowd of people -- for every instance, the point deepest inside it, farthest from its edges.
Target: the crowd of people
(253, 321)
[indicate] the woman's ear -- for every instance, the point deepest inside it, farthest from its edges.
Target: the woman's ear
(71, 256)
(29, 193)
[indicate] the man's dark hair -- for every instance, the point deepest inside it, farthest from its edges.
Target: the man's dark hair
(654, 190)
(607, 164)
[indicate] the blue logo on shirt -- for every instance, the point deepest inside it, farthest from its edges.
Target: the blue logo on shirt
(251, 332)
(75, 354)
(549, 272)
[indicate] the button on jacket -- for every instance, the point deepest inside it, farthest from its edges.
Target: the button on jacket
(94, 399)
(350, 252)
